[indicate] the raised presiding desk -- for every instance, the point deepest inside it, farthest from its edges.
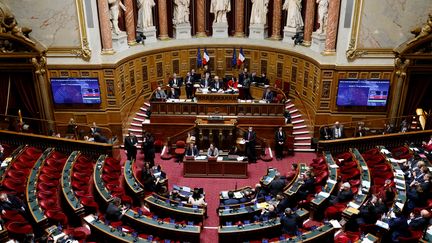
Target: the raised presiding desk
(222, 167)
(216, 97)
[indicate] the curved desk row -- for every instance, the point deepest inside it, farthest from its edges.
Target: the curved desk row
(269, 228)
(364, 189)
(165, 207)
(110, 232)
(399, 180)
(290, 191)
(66, 184)
(7, 162)
(98, 182)
(330, 185)
(131, 180)
(420, 154)
(32, 200)
(167, 230)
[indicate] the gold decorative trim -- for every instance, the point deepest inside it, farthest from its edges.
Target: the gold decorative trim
(353, 52)
(83, 50)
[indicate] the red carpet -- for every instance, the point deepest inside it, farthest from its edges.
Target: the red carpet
(212, 186)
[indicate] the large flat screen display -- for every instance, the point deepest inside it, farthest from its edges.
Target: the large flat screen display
(363, 92)
(75, 90)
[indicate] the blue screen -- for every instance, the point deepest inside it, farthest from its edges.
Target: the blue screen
(359, 92)
(75, 90)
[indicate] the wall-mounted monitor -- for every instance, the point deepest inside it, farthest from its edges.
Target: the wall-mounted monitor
(75, 91)
(363, 92)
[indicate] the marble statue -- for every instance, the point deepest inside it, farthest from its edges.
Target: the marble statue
(181, 12)
(114, 12)
(259, 12)
(322, 15)
(294, 17)
(145, 14)
(220, 8)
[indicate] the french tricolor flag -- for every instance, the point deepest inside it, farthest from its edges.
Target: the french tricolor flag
(241, 58)
(206, 57)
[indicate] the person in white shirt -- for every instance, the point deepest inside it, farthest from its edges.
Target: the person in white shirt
(338, 131)
(212, 151)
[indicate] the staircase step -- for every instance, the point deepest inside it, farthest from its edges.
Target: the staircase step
(139, 119)
(141, 114)
(293, 111)
(302, 144)
(294, 122)
(147, 104)
(302, 138)
(137, 135)
(299, 126)
(134, 130)
(296, 116)
(143, 109)
(304, 150)
(289, 106)
(288, 100)
(300, 132)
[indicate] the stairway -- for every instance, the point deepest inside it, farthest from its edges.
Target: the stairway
(136, 124)
(301, 132)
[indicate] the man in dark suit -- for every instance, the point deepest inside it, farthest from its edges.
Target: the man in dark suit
(94, 129)
(255, 79)
(192, 150)
(176, 83)
(148, 148)
(277, 185)
(206, 81)
(173, 94)
(344, 195)
(280, 138)
(325, 133)
(307, 187)
(11, 202)
(249, 138)
(283, 203)
(398, 226)
(114, 211)
(217, 84)
(264, 80)
(243, 76)
(189, 81)
(419, 222)
(290, 222)
(130, 143)
(338, 131)
(196, 76)
(268, 95)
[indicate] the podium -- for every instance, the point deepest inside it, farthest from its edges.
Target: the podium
(216, 129)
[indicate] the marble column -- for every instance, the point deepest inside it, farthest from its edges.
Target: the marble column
(332, 26)
(105, 28)
(130, 25)
(200, 6)
(309, 22)
(277, 19)
(239, 19)
(163, 20)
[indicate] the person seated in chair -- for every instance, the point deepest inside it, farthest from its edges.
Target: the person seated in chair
(419, 221)
(344, 195)
(398, 226)
(268, 95)
(192, 150)
(115, 211)
(267, 213)
(160, 94)
(212, 151)
(197, 199)
(11, 202)
(173, 94)
(217, 85)
(307, 187)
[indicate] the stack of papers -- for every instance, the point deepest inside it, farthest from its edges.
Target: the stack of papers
(366, 184)
(382, 224)
(240, 158)
(331, 181)
(224, 194)
(353, 210)
(366, 240)
(364, 167)
(353, 205)
(238, 195)
(335, 224)
(335, 166)
(324, 194)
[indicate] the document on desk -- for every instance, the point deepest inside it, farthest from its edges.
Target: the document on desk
(324, 194)
(366, 184)
(335, 224)
(353, 205)
(365, 167)
(224, 194)
(219, 158)
(334, 166)
(382, 224)
(238, 195)
(201, 157)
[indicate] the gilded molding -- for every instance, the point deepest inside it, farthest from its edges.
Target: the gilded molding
(353, 53)
(401, 65)
(84, 52)
(39, 64)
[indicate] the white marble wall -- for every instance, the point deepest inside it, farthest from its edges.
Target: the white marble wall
(54, 23)
(387, 23)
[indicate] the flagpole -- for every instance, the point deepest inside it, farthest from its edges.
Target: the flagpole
(7, 99)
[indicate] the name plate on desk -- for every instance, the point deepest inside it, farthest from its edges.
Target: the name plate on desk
(215, 118)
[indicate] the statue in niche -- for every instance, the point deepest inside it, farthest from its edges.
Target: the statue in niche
(181, 12)
(294, 17)
(259, 12)
(114, 12)
(322, 15)
(220, 8)
(145, 14)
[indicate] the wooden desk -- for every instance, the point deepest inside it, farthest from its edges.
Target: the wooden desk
(227, 168)
(216, 97)
(292, 190)
(68, 193)
(98, 182)
(131, 181)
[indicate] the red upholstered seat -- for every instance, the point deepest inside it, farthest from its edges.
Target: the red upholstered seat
(13, 215)
(50, 203)
(51, 162)
(51, 170)
(11, 186)
(57, 155)
(49, 177)
(18, 165)
(348, 165)
(109, 178)
(116, 224)
(57, 216)
(180, 148)
(19, 228)
(45, 186)
(415, 236)
(83, 193)
(111, 170)
(342, 238)
(350, 174)
(89, 202)
(17, 174)
(47, 194)
(347, 156)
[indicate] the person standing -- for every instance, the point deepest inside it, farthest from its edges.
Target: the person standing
(249, 138)
(337, 131)
(280, 138)
(189, 85)
(148, 148)
(176, 83)
(130, 145)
